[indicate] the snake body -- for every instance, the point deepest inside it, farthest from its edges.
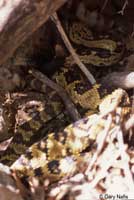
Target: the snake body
(58, 154)
(102, 51)
(48, 157)
(34, 117)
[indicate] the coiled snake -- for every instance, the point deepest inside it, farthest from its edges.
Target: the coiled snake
(59, 153)
(48, 157)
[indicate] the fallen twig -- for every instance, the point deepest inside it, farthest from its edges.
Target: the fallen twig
(129, 123)
(124, 80)
(125, 159)
(104, 5)
(103, 172)
(90, 77)
(123, 8)
(61, 92)
(101, 143)
(123, 154)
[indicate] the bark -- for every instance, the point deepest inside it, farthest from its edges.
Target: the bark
(124, 80)
(19, 19)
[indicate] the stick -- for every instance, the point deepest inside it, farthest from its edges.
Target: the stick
(124, 80)
(61, 92)
(77, 60)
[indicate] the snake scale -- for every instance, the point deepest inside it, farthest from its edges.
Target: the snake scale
(48, 157)
(59, 153)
